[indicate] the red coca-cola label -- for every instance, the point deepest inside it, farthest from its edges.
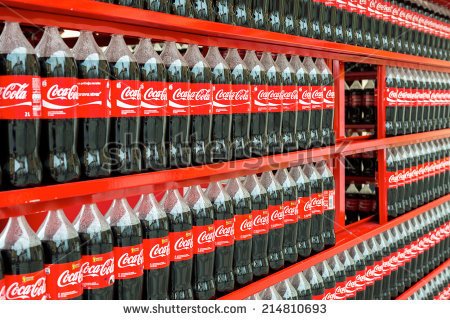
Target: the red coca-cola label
(304, 98)
(330, 3)
(204, 239)
(371, 8)
(222, 98)
(316, 97)
(395, 15)
(393, 262)
(386, 266)
(378, 271)
(274, 97)
(98, 270)
(156, 253)
(153, 99)
(31, 286)
(315, 204)
(2, 289)
(64, 281)
(378, 6)
(351, 204)
(402, 97)
(370, 275)
(304, 212)
(200, 99)
(59, 98)
(360, 281)
(129, 262)
(178, 99)
(390, 96)
(290, 98)
(261, 221)
(260, 99)
(290, 212)
(93, 98)
(340, 291)
(341, 4)
(408, 18)
(276, 217)
(329, 294)
(328, 97)
(20, 97)
(181, 245)
(352, 5)
(241, 102)
(362, 7)
(414, 20)
(387, 12)
(401, 178)
(224, 232)
(125, 98)
(243, 227)
(350, 286)
(328, 199)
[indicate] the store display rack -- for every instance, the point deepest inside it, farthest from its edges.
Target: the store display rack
(105, 19)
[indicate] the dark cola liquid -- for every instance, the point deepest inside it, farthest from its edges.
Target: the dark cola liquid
(391, 110)
(303, 136)
(224, 11)
(19, 155)
(276, 16)
(181, 7)
(290, 249)
(340, 24)
(328, 116)
(304, 225)
(27, 260)
(131, 3)
(274, 119)
(156, 282)
(58, 136)
(126, 236)
(260, 261)
(305, 18)
(275, 244)
(203, 271)
(329, 237)
(317, 241)
(92, 244)
(203, 9)
(327, 22)
(289, 117)
(291, 16)
(260, 14)
(93, 133)
(316, 11)
(400, 117)
(316, 114)
(153, 129)
(242, 13)
(157, 5)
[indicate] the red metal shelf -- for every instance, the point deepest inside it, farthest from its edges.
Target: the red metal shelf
(345, 239)
(360, 179)
(362, 75)
(360, 126)
(102, 17)
(422, 282)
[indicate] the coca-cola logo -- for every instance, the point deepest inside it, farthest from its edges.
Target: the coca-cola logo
(350, 286)
(370, 275)
(184, 244)
(200, 95)
(402, 94)
(378, 270)
(18, 291)
(340, 293)
(393, 178)
(240, 95)
(270, 95)
(289, 211)
(2, 291)
(360, 280)
(14, 91)
(312, 203)
(97, 270)
(159, 251)
(261, 220)
(328, 296)
(222, 231)
(306, 95)
(133, 260)
(392, 95)
(206, 237)
(153, 94)
(68, 278)
(130, 94)
(330, 94)
(316, 95)
(290, 95)
(276, 215)
(246, 225)
(57, 93)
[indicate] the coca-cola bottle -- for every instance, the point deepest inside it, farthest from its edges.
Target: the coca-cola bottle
(260, 14)
(131, 3)
(200, 102)
(125, 99)
(340, 291)
(304, 212)
(290, 104)
(392, 183)
(178, 110)
(62, 257)
(241, 105)
(243, 231)
(204, 243)
(202, 9)
(302, 126)
(153, 77)
(316, 283)
(305, 18)
(352, 199)
(316, 10)
(157, 5)
(222, 104)
(92, 110)
(276, 220)
(329, 280)
(373, 24)
(274, 100)
(260, 213)
(302, 286)
(328, 198)
(20, 106)
(401, 120)
(286, 290)
(360, 266)
(276, 16)
(181, 245)
(328, 21)
(392, 261)
(181, 7)
(328, 103)
(391, 101)
(243, 13)
(368, 103)
(155, 234)
(350, 273)
(23, 258)
(315, 204)
(290, 215)
(59, 107)
(128, 250)
(316, 102)
(259, 104)
(224, 11)
(291, 16)
(376, 272)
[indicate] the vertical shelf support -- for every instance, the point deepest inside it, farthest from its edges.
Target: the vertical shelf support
(381, 132)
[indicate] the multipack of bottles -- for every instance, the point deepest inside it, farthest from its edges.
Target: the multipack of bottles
(84, 113)
(360, 103)
(360, 201)
(380, 268)
(199, 246)
(437, 289)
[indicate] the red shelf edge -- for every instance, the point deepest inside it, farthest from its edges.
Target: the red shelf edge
(422, 282)
(346, 239)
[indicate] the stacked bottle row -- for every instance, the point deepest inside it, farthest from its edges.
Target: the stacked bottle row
(416, 101)
(361, 164)
(84, 113)
(360, 201)
(437, 289)
(199, 246)
(416, 175)
(360, 102)
(380, 268)
(417, 28)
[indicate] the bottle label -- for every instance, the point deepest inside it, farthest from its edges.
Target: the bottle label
(20, 97)
(352, 5)
(316, 98)
(241, 99)
(224, 232)
(393, 261)
(370, 275)
(125, 98)
(401, 178)
(243, 227)
(153, 99)
(350, 286)
(402, 97)
(371, 8)
(181, 245)
(156, 253)
(93, 98)
(387, 12)
(303, 212)
(178, 97)
(200, 99)
(395, 15)
(362, 7)
(402, 16)
(98, 270)
(59, 98)
(378, 271)
(392, 180)
(290, 98)
(360, 281)
(2, 289)
(304, 98)
(64, 281)
(329, 294)
(276, 217)
(379, 8)
(31, 286)
(330, 3)
(260, 221)
(260, 98)
(391, 97)
(129, 262)
(340, 292)
(290, 212)
(274, 97)
(328, 199)
(204, 239)
(315, 204)
(328, 97)
(222, 98)
(341, 4)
